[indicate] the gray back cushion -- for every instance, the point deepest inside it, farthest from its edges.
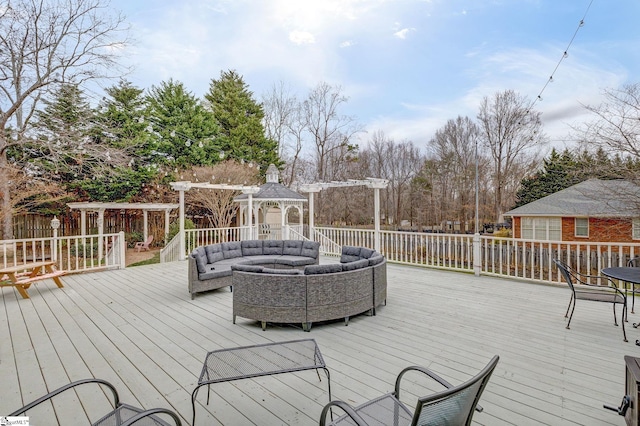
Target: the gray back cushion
(329, 268)
(272, 247)
(292, 247)
(246, 268)
(214, 253)
(310, 249)
(375, 259)
(200, 256)
(350, 254)
(231, 250)
(366, 253)
(251, 247)
(356, 264)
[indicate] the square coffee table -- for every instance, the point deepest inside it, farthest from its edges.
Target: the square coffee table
(245, 362)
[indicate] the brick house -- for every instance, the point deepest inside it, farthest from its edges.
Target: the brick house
(592, 211)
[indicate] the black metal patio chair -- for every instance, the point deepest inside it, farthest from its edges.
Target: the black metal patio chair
(584, 289)
(120, 414)
(453, 406)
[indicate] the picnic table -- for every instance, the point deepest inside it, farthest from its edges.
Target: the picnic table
(22, 276)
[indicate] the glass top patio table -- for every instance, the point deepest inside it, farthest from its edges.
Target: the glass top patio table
(245, 362)
(623, 273)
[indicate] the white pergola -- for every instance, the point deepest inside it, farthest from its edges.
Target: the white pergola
(284, 204)
(100, 208)
(374, 183)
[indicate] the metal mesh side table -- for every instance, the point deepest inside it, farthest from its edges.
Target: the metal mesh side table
(245, 362)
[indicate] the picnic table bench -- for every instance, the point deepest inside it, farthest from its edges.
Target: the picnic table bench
(22, 276)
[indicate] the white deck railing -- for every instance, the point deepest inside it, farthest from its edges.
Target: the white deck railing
(76, 253)
(507, 257)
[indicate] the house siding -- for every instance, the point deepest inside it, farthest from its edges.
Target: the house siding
(603, 230)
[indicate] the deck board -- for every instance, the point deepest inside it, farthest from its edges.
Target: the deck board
(139, 329)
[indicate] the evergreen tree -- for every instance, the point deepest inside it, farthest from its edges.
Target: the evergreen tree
(561, 171)
(63, 149)
(240, 117)
(558, 172)
(186, 133)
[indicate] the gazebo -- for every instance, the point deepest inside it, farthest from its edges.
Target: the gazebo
(271, 196)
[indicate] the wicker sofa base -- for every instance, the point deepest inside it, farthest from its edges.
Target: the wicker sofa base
(306, 299)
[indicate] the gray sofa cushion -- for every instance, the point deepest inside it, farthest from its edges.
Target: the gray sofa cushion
(246, 268)
(258, 260)
(350, 254)
(310, 249)
(251, 247)
(281, 271)
(272, 247)
(215, 274)
(292, 247)
(356, 264)
(366, 253)
(200, 256)
(231, 249)
(322, 269)
(294, 260)
(214, 253)
(375, 259)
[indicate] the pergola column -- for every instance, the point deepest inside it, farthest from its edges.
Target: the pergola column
(167, 224)
(100, 232)
(181, 187)
(145, 224)
(377, 185)
(312, 189)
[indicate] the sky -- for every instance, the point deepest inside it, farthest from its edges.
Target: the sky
(406, 66)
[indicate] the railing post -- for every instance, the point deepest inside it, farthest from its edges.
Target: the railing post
(477, 259)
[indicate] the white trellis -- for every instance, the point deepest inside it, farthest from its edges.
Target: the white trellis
(184, 186)
(374, 183)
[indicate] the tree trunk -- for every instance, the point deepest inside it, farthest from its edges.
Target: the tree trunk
(5, 189)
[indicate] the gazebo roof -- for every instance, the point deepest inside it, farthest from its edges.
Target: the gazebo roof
(273, 190)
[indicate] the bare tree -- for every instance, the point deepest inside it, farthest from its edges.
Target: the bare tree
(399, 162)
(616, 124)
(454, 146)
(44, 43)
(217, 204)
(331, 132)
(510, 130)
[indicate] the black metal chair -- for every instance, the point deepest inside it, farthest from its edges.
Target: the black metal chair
(634, 262)
(453, 406)
(120, 415)
(584, 289)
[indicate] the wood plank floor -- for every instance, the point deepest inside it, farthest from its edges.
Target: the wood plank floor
(139, 329)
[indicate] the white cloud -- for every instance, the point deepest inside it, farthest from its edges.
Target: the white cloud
(301, 37)
(402, 34)
(347, 43)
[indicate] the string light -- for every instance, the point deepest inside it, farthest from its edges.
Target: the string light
(565, 55)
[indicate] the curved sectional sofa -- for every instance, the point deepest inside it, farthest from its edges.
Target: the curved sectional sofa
(316, 293)
(210, 266)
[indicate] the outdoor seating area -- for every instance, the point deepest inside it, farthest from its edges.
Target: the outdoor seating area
(140, 330)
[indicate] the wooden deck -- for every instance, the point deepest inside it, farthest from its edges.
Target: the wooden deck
(139, 329)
